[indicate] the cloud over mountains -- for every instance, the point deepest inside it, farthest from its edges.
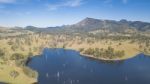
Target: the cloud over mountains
(7, 1)
(65, 3)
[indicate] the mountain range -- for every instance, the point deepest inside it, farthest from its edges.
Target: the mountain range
(91, 24)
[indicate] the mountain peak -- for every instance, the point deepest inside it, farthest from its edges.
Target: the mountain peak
(123, 20)
(30, 27)
(88, 18)
(88, 21)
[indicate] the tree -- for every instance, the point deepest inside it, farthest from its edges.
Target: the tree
(30, 54)
(147, 44)
(1, 53)
(102, 49)
(81, 49)
(14, 47)
(140, 46)
(120, 44)
(119, 53)
(89, 51)
(10, 43)
(97, 52)
(17, 56)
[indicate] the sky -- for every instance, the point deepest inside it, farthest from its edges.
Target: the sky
(45, 13)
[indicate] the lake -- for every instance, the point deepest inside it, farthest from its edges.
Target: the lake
(60, 66)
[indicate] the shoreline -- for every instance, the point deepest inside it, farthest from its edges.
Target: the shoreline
(84, 55)
(105, 59)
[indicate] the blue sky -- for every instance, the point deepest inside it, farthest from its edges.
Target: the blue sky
(43, 13)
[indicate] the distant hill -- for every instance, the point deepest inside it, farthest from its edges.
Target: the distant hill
(91, 24)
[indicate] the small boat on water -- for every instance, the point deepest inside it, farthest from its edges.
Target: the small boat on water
(47, 75)
(58, 74)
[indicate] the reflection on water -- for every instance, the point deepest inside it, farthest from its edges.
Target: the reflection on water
(59, 66)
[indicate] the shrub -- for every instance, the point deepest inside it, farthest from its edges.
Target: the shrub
(120, 44)
(29, 72)
(14, 74)
(21, 62)
(10, 43)
(81, 49)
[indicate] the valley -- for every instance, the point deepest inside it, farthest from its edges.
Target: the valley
(91, 38)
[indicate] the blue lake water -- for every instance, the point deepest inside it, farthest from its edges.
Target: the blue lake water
(60, 66)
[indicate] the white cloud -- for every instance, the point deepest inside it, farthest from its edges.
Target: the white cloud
(110, 1)
(107, 1)
(22, 13)
(74, 3)
(65, 3)
(7, 1)
(125, 1)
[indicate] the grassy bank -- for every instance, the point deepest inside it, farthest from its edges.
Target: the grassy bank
(16, 49)
(130, 49)
(7, 75)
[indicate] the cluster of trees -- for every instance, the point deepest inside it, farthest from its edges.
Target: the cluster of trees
(105, 53)
(2, 53)
(21, 61)
(17, 56)
(136, 37)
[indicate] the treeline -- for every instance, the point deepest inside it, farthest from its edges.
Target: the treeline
(20, 61)
(109, 53)
(121, 36)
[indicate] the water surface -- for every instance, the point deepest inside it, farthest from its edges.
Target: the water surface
(59, 66)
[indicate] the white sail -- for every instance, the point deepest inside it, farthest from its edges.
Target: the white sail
(47, 75)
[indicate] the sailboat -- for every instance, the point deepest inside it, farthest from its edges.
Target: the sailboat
(58, 74)
(47, 75)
